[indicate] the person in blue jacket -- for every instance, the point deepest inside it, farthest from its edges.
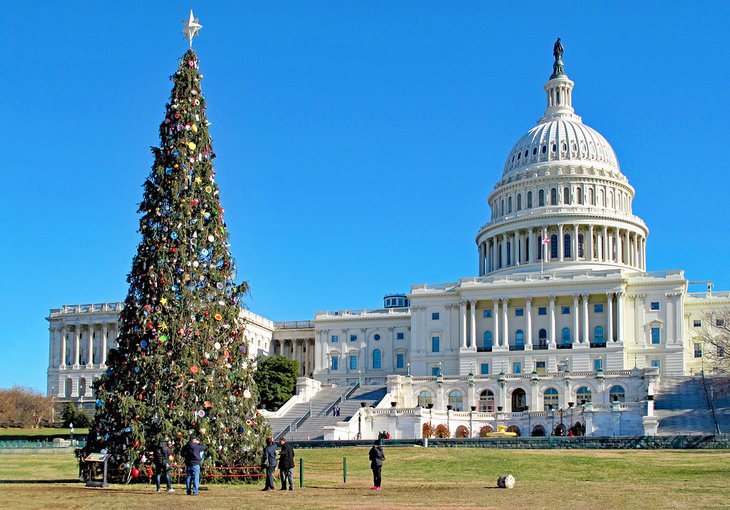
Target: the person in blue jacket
(193, 455)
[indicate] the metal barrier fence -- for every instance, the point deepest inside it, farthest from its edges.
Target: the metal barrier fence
(330, 470)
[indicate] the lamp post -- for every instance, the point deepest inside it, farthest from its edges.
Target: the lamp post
(359, 420)
(408, 369)
(529, 421)
(570, 416)
(359, 378)
(551, 414)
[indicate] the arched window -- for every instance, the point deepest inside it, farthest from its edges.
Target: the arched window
(527, 248)
(376, 359)
(501, 207)
(591, 197)
(486, 401)
(579, 196)
(542, 339)
(487, 340)
(566, 245)
(566, 195)
(519, 340)
(551, 399)
(456, 400)
(424, 399)
(541, 198)
(553, 246)
(529, 199)
(553, 196)
(617, 393)
(565, 339)
(598, 335)
(601, 200)
(538, 242)
(519, 202)
(610, 200)
(509, 205)
(580, 245)
(583, 395)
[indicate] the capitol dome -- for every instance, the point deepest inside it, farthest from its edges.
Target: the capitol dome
(565, 140)
(562, 203)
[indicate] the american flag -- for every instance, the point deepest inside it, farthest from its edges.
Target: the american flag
(545, 239)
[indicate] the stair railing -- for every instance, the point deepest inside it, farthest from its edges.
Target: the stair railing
(710, 401)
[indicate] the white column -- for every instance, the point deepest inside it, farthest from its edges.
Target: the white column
(495, 316)
(589, 243)
(90, 353)
(609, 317)
(586, 326)
(528, 320)
(552, 322)
(503, 251)
(52, 346)
(575, 242)
(462, 322)
(77, 351)
(63, 347)
(493, 251)
(679, 314)
(473, 339)
(619, 317)
(561, 243)
(531, 246)
(626, 249)
(576, 311)
(520, 250)
(617, 246)
(505, 320)
(604, 255)
(104, 337)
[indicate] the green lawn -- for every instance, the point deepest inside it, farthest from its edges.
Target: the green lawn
(432, 478)
(60, 432)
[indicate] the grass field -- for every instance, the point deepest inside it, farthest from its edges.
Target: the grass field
(413, 478)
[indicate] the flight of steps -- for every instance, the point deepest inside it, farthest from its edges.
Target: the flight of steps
(312, 428)
(682, 408)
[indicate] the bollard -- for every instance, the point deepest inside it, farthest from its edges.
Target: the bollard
(301, 472)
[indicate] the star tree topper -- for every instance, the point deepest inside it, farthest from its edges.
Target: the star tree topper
(191, 27)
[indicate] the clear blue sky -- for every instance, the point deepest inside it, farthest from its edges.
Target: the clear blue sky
(357, 141)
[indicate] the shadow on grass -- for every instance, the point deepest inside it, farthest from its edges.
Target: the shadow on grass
(68, 480)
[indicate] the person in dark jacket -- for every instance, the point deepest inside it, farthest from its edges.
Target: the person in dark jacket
(193, 455)
(269, 463)
(376, 464)
(163, 463)
(286, 464)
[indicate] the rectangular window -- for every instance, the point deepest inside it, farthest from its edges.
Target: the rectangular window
(487, 314)
(435, 371)
(400, 360)
(698, 350)
(353, 338)
(400, 336)
(435, 316)
(697, 323)
(353, 362)
(334, 338)
(597, 364)
(542, 310)
(484, 369)
(655, 363)
(519, 312)
(654, 305)
(656, 335)
(517, 367)
(720, 323)
(335, 363)
(540, 367)
(565, 310)
(435, 344)
(598, 308)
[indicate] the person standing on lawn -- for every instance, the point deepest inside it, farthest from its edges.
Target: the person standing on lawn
(269, 463)
(163, 462)
(376, 464)
(286, 464)
(193, 454)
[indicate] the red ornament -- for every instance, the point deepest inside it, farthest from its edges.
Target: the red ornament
(135, 472)
(194, 369)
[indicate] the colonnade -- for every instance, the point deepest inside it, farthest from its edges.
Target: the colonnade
(575, 242)
(581, 321)
(301, 350)
(69, 340)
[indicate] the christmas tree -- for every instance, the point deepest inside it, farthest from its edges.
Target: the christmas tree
(182, 365)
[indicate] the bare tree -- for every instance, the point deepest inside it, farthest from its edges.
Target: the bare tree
(715, 335)
(24, 407)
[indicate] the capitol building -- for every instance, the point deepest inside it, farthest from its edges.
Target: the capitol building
(561, 313)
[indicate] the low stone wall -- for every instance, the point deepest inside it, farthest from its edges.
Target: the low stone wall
(546, 443)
